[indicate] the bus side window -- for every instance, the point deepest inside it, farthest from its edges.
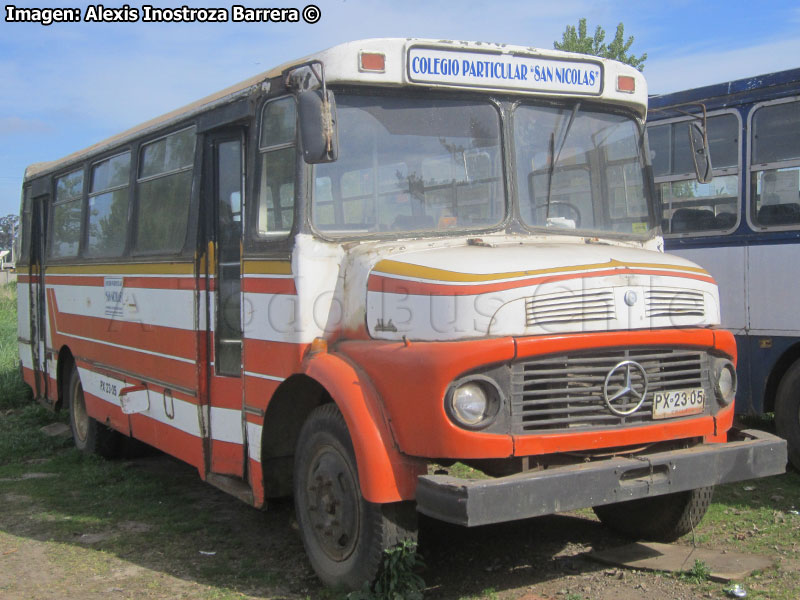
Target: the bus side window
(164, 192)
(775, 165)
(108, 207)
(67, 212)
(690, 207)
(277, 168)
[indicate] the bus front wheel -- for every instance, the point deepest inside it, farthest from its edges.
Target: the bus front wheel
(343, 534)
(660, 518)
(787, 412)
(90, 436)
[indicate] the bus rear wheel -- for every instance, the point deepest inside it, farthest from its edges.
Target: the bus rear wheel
(89, 435)
(660, 518)
(787, 412)
(343, 534)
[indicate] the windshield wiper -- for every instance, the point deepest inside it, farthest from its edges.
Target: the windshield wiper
(557, 155)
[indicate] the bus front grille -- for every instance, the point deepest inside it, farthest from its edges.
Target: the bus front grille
(565, 392)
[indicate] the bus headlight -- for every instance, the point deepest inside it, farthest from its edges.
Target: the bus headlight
(725, 384)
(473, 402)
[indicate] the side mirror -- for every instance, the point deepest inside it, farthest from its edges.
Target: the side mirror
(317, 117)
(700, 153)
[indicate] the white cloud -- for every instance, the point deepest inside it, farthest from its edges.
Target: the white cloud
(18, 125)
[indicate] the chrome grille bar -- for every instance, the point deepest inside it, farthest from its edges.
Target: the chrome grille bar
(566, 391)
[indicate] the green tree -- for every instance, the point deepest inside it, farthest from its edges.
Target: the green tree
(575, 40)
(8, 226)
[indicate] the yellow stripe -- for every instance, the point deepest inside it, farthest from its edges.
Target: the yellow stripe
(124, 268)
(268, 267)
(391, 267)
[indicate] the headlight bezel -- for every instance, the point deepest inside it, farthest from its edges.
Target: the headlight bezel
(495, 399)
(723, 367)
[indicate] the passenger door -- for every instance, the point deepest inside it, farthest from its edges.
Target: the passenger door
(36, 293)
(224, 152)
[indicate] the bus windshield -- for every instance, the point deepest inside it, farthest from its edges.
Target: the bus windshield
(580, 169)
(426, 165)
(411, 165)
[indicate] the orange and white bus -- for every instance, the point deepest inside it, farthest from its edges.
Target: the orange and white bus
(340, 277)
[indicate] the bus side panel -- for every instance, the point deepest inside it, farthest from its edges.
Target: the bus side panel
(772, 295)
(145, 336)
(727, 267)
(766, 353)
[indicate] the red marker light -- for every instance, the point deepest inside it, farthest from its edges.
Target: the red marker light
(372, 61)
(626, 83)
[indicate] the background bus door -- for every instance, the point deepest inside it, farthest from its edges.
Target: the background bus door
(227, 443)
(36, 294)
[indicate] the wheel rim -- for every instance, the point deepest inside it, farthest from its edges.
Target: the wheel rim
(80, 419)
(332, 503)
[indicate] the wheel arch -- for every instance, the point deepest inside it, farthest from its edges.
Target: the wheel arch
(385, 474)
(63, 373)
(790, 356)
(288, 409)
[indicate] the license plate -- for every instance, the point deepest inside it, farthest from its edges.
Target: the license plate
(677, 403)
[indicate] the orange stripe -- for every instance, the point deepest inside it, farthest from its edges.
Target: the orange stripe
(257, 483)
(387, 285)
(171, 440)
(269, 285)
(392, 267)
(107, 413)
(227, 458)
(278, 359)
(258, 393)
(153, 338)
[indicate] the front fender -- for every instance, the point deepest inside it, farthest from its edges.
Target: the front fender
(385, 475)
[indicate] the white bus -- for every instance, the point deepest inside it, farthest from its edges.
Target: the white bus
(342, 276)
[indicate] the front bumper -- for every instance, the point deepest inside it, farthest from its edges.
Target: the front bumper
(749, 455)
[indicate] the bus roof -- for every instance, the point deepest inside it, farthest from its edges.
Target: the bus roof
(732, 92)
(491, 69)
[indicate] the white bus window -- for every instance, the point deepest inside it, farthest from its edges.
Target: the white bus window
(690, 207)
(775, 180)
(164, 193)
(67, 215)
(277, 168)
(108, 207)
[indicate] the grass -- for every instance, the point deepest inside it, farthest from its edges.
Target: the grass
(13, 391)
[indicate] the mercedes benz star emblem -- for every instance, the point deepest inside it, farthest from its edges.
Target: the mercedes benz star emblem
(631, 391)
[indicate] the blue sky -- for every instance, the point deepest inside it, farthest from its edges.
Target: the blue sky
(68, 85)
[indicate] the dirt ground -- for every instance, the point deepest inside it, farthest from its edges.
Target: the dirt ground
(533, 559)
(73, 526)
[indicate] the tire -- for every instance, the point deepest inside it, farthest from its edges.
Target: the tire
(89, 435)
(343, 534)
(787, 412)
(660, 518)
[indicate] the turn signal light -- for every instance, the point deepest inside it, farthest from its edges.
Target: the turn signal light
(372, 61)
(626, 83)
